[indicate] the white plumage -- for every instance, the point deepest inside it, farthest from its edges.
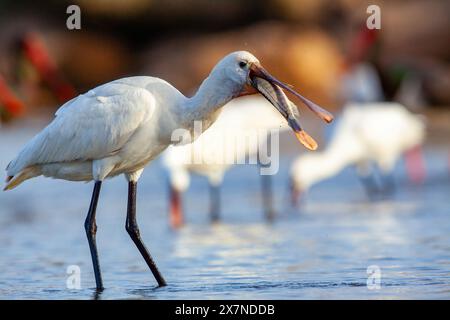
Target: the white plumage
(242, 118)
(374, 132)
(109, 130)
(119, 127)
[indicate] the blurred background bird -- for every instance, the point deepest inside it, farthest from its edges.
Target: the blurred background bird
(240, 132)
(365, 135)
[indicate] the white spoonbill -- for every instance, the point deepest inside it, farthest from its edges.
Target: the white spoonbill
(378, 133)
(119, 127)
(240, 132)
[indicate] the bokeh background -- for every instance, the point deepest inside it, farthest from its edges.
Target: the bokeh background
(311, 44)
(307, 43)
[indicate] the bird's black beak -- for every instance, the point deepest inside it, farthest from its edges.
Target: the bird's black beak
(271, 89)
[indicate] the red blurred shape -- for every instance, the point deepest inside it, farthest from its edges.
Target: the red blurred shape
(415, 165)
(12, 104)
(361, 44)
(176, 213)
(36, 52)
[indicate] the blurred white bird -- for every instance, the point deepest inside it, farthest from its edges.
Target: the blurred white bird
(241, 130)
(119, 127)
(378, 133)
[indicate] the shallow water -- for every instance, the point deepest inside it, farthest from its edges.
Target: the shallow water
(321, 251)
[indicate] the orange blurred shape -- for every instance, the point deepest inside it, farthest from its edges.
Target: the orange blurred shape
(36, 52)
(11, 103)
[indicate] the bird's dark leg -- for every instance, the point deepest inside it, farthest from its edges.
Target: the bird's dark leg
(266, 183)
(266, 180)
(366, 174)
(369, 183)
(388, 182)
(91, 229)
(133, 230)
(214, 210)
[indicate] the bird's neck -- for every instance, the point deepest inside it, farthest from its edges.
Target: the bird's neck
(327, 163)
(205, 105)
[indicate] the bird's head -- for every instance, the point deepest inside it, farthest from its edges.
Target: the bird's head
(245, 75)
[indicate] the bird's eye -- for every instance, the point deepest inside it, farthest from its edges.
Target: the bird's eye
(242, 64)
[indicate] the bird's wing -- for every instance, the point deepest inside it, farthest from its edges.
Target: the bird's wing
(91, 126)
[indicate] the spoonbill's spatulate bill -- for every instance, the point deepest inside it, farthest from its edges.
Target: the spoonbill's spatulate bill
(119, 127)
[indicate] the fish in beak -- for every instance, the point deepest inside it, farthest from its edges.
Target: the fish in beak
(272, 89)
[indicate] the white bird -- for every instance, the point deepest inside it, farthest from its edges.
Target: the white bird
(378, 133)
(235, 136)
(119, 127)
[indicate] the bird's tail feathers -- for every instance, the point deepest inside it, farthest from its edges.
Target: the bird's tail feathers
(25, 174)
